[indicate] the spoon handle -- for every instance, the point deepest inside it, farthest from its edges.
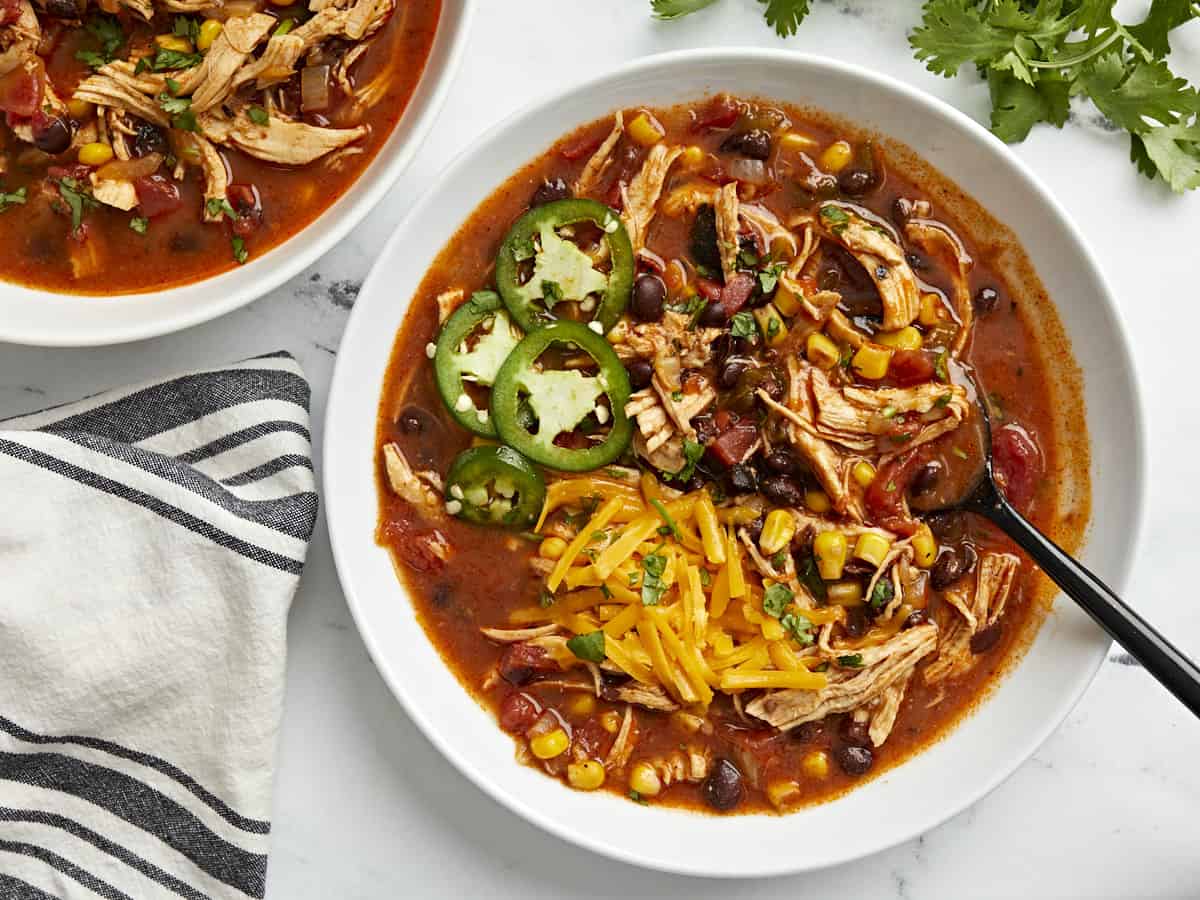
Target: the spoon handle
(1163, 660)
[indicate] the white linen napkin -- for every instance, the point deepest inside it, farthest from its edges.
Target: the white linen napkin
(151, 539)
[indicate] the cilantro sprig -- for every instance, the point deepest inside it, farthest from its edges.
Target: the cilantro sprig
(1036, 55)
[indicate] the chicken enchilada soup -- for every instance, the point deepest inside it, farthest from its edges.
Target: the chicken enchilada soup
(654, 437)
(149, 143)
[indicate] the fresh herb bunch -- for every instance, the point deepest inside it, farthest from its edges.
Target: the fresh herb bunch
(1038, 54)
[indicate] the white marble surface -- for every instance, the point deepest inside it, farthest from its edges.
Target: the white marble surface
(365, 809)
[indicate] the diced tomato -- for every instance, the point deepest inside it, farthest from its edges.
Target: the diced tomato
(22, 89)
(885, 497)
(518, 712)
(736, 292)
(76, 171)
(418, 549)
(910, 367)
(1017, 462)
(520, 662)
(721, 112)
(580, 148)
(247, 203)
(10, 11)
(591, 739)
(709, 290)
(734, 443)
(157, 195)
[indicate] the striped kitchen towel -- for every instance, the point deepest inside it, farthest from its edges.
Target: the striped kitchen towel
(151, 539)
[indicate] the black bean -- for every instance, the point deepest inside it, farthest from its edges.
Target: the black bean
(856, 623)
(854, 732)
(802, 545)
(915, 618)
(754, 529)
(549, 191)
(856, 182)
(916, 261)
(984, 640)
(702, 243)
(741, 479)
(713, 316)
(829, 279)
(649, 295)
(731, 371)
(755, 144)
(782, 490)
(854, 760)
(723, 789)
(782, 461)
(441, 595)
(926, 478)
(640, 373)
(986, 299)
(947, 527)
(808, 731)
(706, 427)
(54, 137)
(148, 139)
(952, 565)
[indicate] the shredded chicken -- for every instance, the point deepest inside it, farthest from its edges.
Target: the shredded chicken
(645, 696)
(212, 81)
(518, 635)
(622, 748)
(883, 666)
(687, 765)
(883, 714)
(641, 196)
(114, 86)
(593, 171)
(117, 193)
(978, 607)
(405, 482)
(938, 241)
(881, 257)
(728, 228)
(279, 140)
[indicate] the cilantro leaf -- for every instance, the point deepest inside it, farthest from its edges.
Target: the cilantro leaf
(107, 30)
(799, 627)
(15, 198)
(1017, 106)
(588, 647)
(78, 200)
(882, 594)
(653, 567)
(851, 661)
(1163, 17)
(259, 116)
(785, 16)
(692, 454)
(139, 224)
(1130, 95)
(238, 247)
(743, 325)
(218, 206)
(776, 599)
(673, 9)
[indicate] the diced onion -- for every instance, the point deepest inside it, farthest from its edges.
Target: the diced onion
(129, 169)
(314, 88)
(751, 171)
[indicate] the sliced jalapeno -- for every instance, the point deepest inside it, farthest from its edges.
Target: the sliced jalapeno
(561, 271)
(532, 407)
(495, 486)
(483, 319)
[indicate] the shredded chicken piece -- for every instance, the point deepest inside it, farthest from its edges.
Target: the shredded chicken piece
(405, 483)
(278, 141)
(939, 241)
(518, 635)
(994, 582)
(686, 765)
(670, 345)
(656, 439)
(216, 176)
(115, 87)
(212, 81)
(641, 195)
(143, 8)
(883, 260)
(767, 226)
(843, 331)
(448, 302)
(689, 197)
(727, 228)
(594, 169)
(117, 193)
(883, 715)
(622, 748)
(645, 696)
(883, 666)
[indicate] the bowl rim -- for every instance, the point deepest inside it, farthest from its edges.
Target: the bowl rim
(1036, 736)
(278, 265)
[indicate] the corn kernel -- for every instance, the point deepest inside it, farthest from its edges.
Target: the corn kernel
(610, 721)
(686, 721)
(844, 593)
(863, 473)
(821, 351)
(932, 312)
(550, 744)
(794, 140)
(585, 776)
(209, 29)
(783, 794)
(771, 323)
(582, 705)
(786, 302)
(173, 42)
(95, 154)
(646, 130)
(907, 338)
(80, 109)
(815, 764)
(871, 361)
(772, 630)
(836, 157)
(925, 546)
(778, 531)
(743, 514)
(871, 548)
(552, 548)
(817, 501)
(829, 547)
(645, 780)
(693, 157)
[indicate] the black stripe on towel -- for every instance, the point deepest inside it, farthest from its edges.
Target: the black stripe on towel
(68, 868)
(159, 507)
(16, 889)
(267, 469)
(162, 407)
(244, 436)
(254, 826)
(166, 879)
(294, 515)
(142, 807)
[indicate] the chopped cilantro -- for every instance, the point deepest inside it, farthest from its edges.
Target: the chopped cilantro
(776, 599)
(939, 365)
(139, 224)
(635, 796)
(742, 325)
(653, 565)
(283, 27)
(779, 560)
(692, 454)
(811, 578)
(78, 200)
(768, 278)
(107, 30)
(169, 60)
(15, 198)
(799, 627)
(834, 215)
(238, 246)
(883, 594)
(672, 528)
(773, 327)
(588, 647)
(851, 661)
(259, 116)
(179, 109)
(218, 206)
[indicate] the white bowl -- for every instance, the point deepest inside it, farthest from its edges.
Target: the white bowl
(910, 798)
(44, 318)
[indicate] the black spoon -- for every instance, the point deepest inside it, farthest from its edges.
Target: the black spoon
(980, 495)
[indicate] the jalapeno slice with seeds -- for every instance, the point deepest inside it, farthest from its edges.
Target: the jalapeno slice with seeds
(470, 348)
(494, 486)
(562, 272)
(532, 407)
